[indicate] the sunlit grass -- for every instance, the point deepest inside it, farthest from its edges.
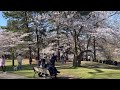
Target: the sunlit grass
(88, 70)
(85, 73)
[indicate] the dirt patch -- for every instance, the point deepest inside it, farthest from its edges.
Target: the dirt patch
(26, 61)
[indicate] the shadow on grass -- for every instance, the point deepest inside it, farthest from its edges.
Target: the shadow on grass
(70, 67)
(66, 78)
(95, 66)
(101, 67)
(97, 71)
(24, 67)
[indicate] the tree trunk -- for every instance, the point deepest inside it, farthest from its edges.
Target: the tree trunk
(58, 44)
(29, 38)
(75, 61)
(79, 62)
(58, 55)
(13, 57)
(79, 57)
(94, 50)
(38, 49)
(75, 48)
(30, 57)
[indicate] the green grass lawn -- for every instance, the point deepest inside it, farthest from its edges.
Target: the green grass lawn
(88, 70)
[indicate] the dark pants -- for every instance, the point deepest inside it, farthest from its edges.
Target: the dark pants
(52, 70)
(19, 65)
(3, 68)
(53, 63)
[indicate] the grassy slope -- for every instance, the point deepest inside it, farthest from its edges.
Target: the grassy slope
(89, 70)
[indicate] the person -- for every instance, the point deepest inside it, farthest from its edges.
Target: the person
(88, 58)
(44, 68)
(39, 62)
(52, 69)
(19, 59)
(63, 59)
(53, 59)
(66, 57)
(2, 63)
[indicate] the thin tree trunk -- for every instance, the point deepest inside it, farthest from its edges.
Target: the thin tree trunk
(13, 57)
(76, 61)
(38, 49)
(75, 48)
(58, 44)
(94, 50)
(29, 38)
(30, 55)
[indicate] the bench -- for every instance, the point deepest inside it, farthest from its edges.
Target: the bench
(39, 70)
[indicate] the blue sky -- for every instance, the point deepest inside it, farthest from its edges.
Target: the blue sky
(3, 21)
(114, 20)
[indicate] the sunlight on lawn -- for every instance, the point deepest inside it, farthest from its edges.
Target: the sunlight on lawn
(87, 71)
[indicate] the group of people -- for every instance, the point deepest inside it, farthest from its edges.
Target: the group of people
(2, 63)
(45, 63)
(50, 66)
(64, 58)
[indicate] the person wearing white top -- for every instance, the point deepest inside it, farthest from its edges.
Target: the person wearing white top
(19, 59)
(2, 63)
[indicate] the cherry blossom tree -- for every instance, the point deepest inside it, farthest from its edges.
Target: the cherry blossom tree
(77, 24)
(10, 40)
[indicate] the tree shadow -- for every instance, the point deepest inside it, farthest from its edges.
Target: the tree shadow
(66, 78)
(101, 67)
(91, 66)
(97, 71)
(24, 67)
(70, 67)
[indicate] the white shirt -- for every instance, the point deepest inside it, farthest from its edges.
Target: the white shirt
(19, 58)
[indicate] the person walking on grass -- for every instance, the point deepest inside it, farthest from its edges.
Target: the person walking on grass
(19, 59)
(2, 63)
(62, 59)
(53, 59)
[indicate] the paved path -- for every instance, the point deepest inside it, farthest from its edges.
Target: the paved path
(11, 76)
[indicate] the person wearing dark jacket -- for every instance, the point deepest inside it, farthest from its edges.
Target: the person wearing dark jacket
(44, 68)
(52, 69)
(53, 59)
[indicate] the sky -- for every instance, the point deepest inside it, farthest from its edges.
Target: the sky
(114, 20)
(3, 21)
